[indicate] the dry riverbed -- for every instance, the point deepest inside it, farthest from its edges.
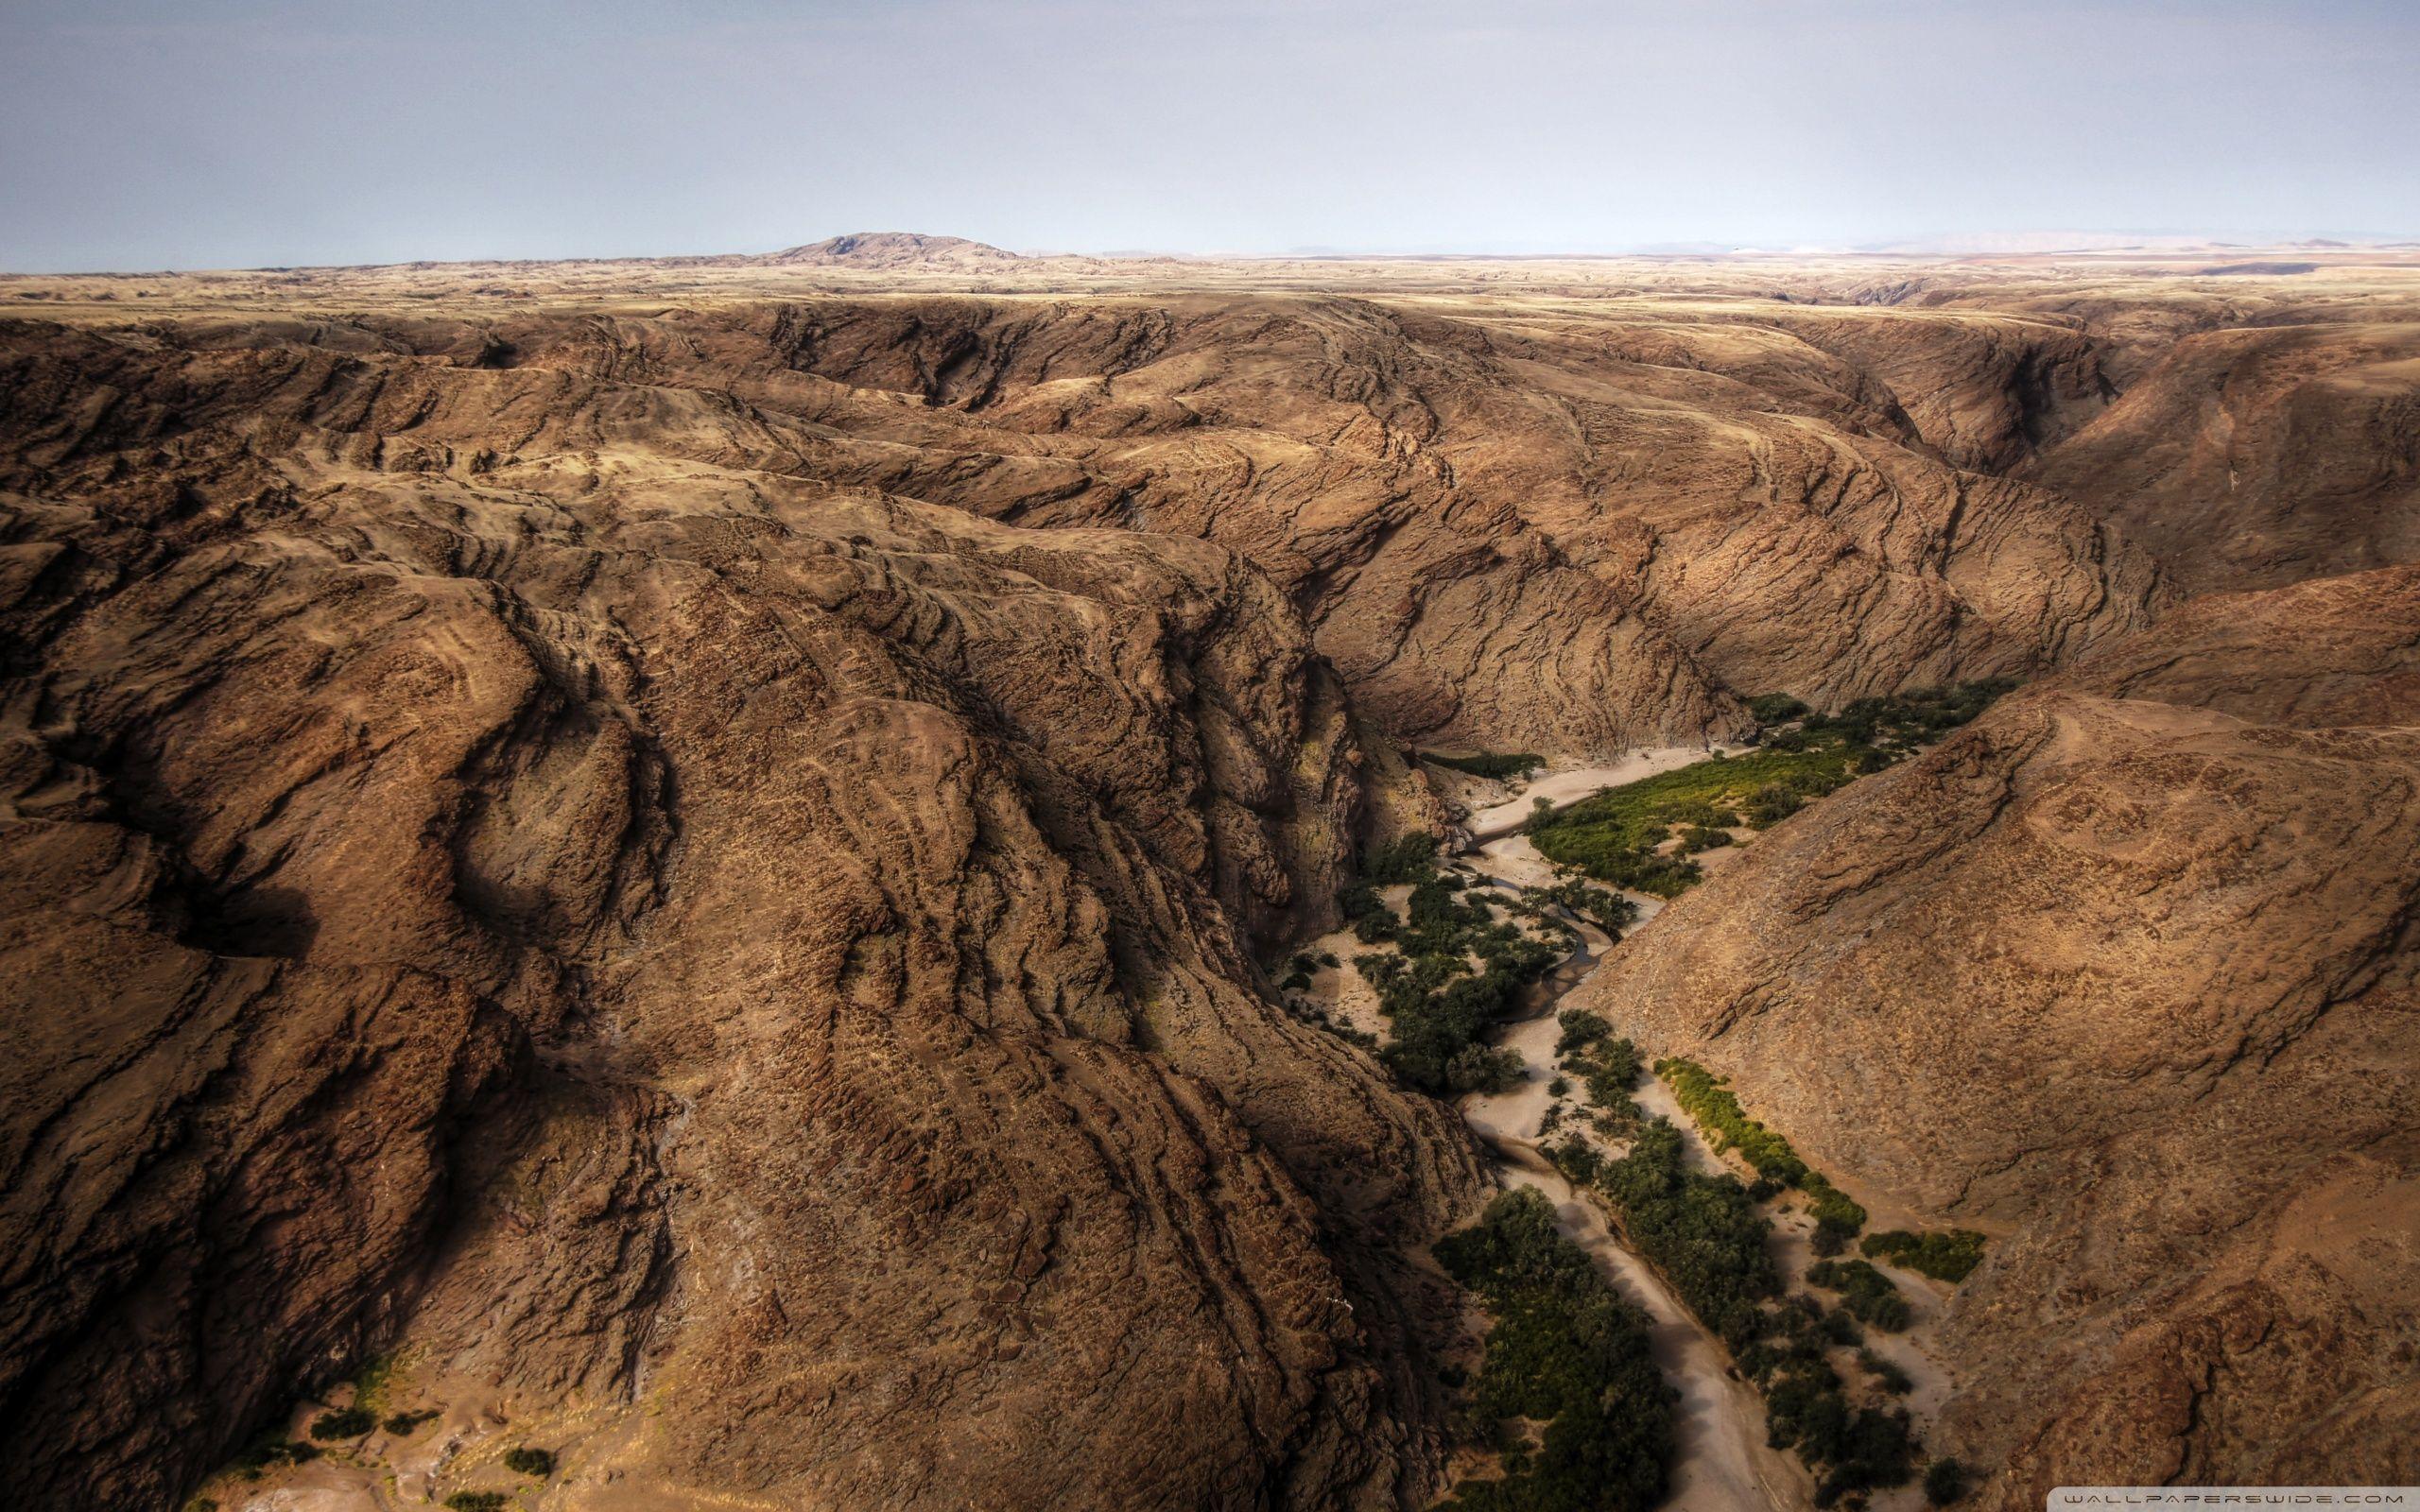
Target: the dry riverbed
(1720, 1461)
(1722, 1464)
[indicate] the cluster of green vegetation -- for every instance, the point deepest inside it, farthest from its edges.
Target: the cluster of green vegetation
(1567, 1351)
(1866, 1293)
(1838, 1216)
(1806, 1407)
(1944, 1481)
(343, 1422)
(1488, 763)
(476, 1502)
(1700, 1231)
(1440, 1007)
(1301, 965)
(1705, 1236)
(405, 1424)
(1949, 1254)
(1581, 1029)
(1408, 858)
(1708, 1098)
(1618, 835)
(1614, 835)
(1908, 719)
(528, 1460)
(1601, 906)
(1886, 1375)
(1609, 1065)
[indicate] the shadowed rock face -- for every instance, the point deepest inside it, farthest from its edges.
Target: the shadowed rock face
(765, 958)
(2123, 975)
(2252, 457)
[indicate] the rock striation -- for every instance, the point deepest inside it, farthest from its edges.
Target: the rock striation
(1565, 533)
(2253, 456)
(765, 960)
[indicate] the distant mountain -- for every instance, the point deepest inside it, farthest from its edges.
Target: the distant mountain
(889, 248)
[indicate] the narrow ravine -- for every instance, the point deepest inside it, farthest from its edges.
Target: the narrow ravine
(1721, 1462)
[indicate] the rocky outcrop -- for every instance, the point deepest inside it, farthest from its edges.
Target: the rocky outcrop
(1558, 539)
(492, 871)
(2124, 975)
(2250, 457)
(1985, 391)
(1569, 533)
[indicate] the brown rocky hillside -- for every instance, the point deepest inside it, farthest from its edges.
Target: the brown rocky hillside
(2124, 976)
(690, 854)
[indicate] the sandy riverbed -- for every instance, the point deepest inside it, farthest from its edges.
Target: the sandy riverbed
(1721, 1463)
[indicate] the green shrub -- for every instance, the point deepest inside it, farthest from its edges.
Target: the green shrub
(1581, 1029)
(1769, 805)
(343, 1422)
(1834, 1210)
(1609, 1070)
(1566, 1350)
(1477, 1069)
(1488, 765)
(539, 1461)
(1608, 910)
(1945, 1481)
(1775, 708)
(476, 1502)
(1441, 1009)
(1948, 1254)
(1408, 858)
(1700, 1231)
(1865, 1292)
(1853, 1448)
(1886, 1374)
(1358, 899)
(1707, 1099)
(405, 1424)
(1613, 835)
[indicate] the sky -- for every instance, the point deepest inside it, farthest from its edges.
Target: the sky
(146, 134)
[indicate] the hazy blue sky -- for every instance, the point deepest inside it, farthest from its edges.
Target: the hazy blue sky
(199, 134)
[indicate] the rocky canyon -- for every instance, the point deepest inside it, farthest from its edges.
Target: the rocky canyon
(738, 869)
